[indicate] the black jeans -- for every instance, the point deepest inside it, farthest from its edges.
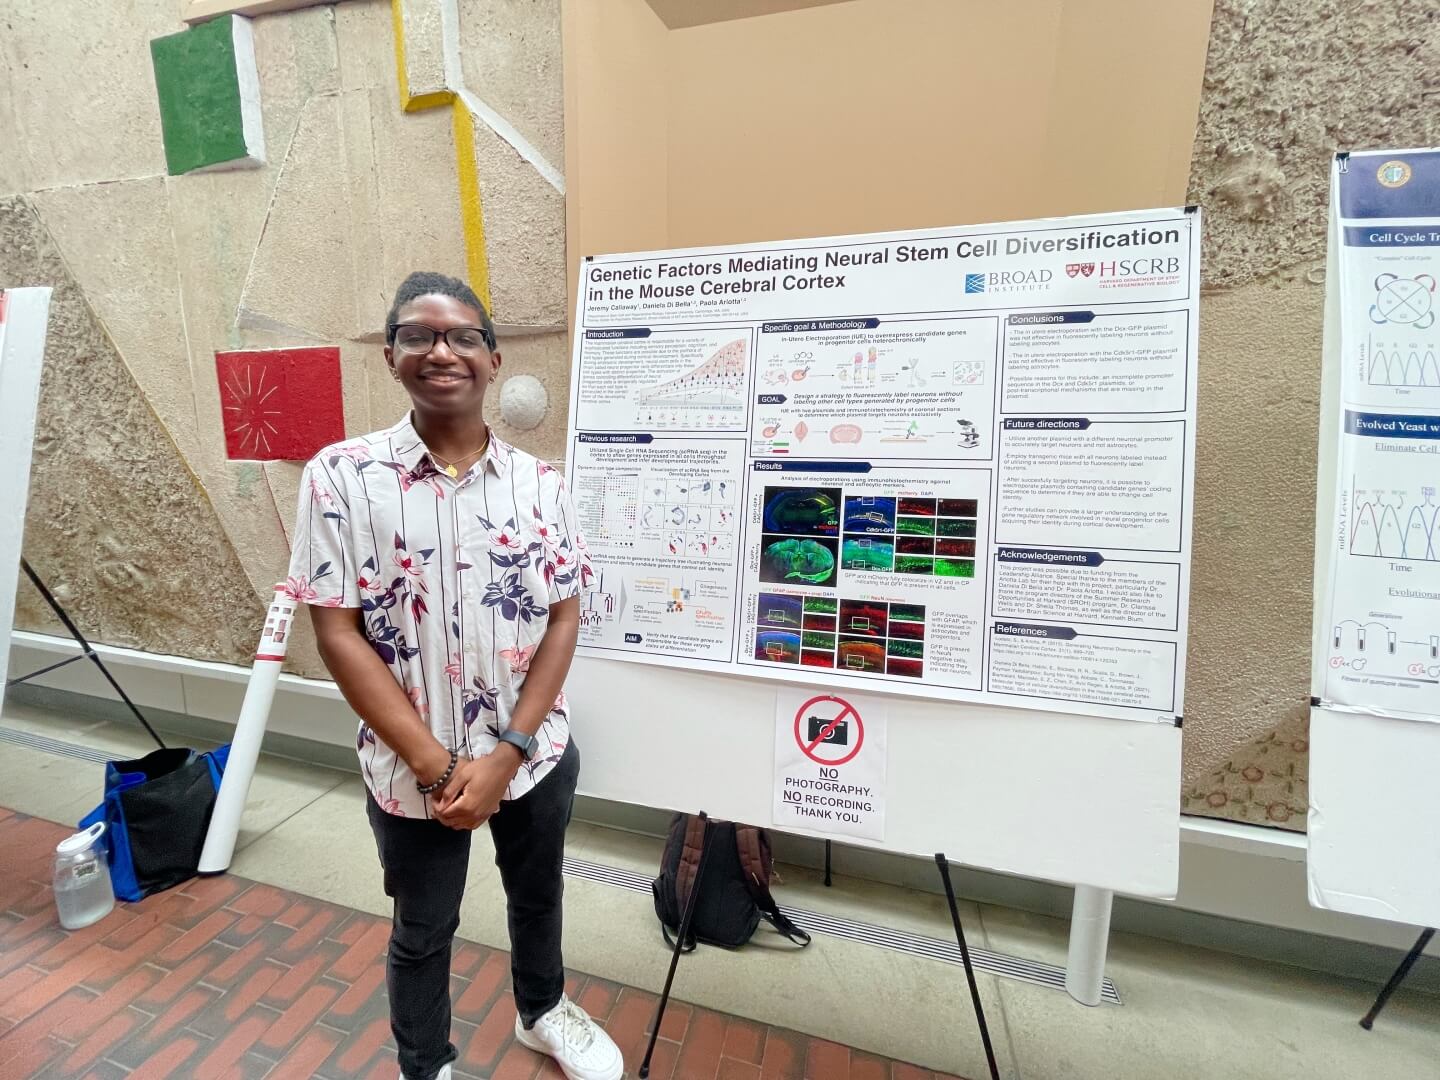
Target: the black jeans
(425, 865)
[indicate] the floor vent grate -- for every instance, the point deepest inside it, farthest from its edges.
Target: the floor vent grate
(1034, 972)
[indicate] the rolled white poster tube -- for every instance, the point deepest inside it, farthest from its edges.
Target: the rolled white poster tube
(249, 733)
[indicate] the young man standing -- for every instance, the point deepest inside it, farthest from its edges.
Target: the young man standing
(442, 569)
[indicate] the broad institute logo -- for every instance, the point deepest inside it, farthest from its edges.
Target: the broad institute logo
(974, 283)
(1079, 269)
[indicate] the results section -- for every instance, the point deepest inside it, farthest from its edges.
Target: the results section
(865, 574)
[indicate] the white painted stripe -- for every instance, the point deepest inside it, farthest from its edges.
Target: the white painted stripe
(506, 130)
(455, 80)
(251, 118)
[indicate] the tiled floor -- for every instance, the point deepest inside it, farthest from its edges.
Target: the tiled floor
(1188, 1012)
(227, 978)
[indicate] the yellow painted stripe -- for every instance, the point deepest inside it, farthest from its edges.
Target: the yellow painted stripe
(397, 16)
(472, 218)
(429, 101)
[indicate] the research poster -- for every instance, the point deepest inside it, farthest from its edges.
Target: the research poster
(953, 463)
(1381, 635)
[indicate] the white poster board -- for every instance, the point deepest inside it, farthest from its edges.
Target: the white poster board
(1374, 825)
(23, 315)
(950, 463)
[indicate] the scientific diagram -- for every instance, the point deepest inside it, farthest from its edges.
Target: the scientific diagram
(1376, 649)
(1389, 524)
(909, 390)
(1408, 301)
(612, 516)
(711, 395)
(864, 636)
(931, 537)
(598, 605)
(800, 528)
(1396, 362)
(692, 516)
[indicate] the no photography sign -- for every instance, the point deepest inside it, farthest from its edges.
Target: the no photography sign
(830, 765)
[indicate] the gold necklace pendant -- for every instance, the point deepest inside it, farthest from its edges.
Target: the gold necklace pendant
(450, 469)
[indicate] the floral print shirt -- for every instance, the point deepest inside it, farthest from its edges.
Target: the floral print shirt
(454, 578)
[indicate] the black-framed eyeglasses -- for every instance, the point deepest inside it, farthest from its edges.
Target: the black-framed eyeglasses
(418, 339)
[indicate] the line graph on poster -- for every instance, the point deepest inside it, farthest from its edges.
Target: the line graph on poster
(1379, 650)
(1391, 523)
(708, 395)
(1402, 362)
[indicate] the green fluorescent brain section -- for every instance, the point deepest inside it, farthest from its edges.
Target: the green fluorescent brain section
(209, 94)
(793, 561)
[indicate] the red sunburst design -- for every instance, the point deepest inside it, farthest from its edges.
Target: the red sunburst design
(280, 404)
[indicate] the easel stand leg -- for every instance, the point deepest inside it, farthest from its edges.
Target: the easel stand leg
(827, 864)
(1399, 977)
(685, 917)
(87, 651)
(1089, 944)
(944, 866)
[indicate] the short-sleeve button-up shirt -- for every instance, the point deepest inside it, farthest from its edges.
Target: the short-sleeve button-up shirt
(454, 578)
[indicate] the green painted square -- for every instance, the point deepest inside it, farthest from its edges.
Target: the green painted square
(198, 83)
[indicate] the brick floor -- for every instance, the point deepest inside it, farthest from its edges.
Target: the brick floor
(226, 978)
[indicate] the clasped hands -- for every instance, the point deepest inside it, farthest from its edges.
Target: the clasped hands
(475, 789)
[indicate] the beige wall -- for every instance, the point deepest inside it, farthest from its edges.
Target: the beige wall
(825, 117)
(138, 517)
(811, 122)
(1288, 82)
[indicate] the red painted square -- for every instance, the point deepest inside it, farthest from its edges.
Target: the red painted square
(280, 404)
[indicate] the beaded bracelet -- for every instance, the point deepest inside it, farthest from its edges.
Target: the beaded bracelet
(430, 789)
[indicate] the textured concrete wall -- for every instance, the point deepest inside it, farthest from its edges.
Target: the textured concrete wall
(158, 538)
(161, 541)
(1287, 83)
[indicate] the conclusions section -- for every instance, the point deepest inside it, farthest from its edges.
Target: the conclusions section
(1112, 363)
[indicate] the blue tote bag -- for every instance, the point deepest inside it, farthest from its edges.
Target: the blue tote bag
(156, 811)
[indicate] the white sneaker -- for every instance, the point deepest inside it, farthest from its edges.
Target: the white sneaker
(443, 1074)
(579, 1045)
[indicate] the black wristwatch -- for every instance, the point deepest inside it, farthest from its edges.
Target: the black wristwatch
(526, 744)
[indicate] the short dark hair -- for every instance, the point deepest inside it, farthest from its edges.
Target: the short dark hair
(428, 283)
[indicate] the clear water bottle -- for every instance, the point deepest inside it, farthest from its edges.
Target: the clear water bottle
(82, 879)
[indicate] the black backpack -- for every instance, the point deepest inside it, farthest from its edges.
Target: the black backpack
(734, 892)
